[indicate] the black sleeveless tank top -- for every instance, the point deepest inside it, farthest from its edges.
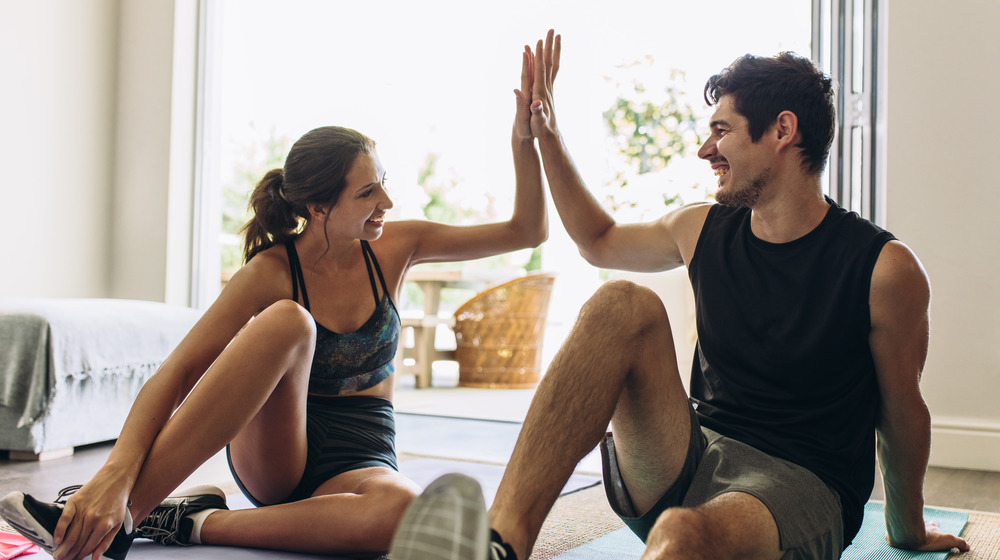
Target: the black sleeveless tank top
(782, 361)
(352, 362)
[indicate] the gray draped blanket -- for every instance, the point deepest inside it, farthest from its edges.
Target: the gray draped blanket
(81, 349)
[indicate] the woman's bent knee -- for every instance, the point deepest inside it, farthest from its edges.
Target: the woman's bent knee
(286, 310)
(392, 502)
(286, 318)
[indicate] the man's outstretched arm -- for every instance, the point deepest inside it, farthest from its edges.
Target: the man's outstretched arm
(899, 301)
(645, 247)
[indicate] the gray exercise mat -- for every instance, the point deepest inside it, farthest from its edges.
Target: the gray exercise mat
(423, 471)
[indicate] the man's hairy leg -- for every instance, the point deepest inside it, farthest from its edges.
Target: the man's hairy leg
(732, 525)
(618, 364)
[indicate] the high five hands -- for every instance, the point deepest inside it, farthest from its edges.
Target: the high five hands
(535, 114)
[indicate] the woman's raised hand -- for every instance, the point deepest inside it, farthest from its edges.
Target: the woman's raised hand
(522, 118)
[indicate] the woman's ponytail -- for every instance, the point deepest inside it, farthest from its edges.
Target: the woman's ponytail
(273, 218)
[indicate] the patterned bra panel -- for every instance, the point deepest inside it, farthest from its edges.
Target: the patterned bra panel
(352, 362)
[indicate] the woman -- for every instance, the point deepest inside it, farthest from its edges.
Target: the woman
(304, 411)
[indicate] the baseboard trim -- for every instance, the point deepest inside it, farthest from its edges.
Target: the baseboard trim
(16, 455)
(965, 445)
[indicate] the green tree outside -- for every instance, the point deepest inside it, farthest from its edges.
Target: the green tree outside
(648, 128)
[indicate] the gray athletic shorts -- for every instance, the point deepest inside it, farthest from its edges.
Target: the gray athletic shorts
(806, 510)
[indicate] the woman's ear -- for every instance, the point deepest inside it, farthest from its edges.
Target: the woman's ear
(316, 211)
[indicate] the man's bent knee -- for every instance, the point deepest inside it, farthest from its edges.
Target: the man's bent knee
(625, 301)
(695, 533)
(679, 533)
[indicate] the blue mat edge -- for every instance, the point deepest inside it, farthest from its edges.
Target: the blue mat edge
(871, 538)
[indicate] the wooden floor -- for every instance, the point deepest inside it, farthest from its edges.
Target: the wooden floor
(467, 424)
(952, 488)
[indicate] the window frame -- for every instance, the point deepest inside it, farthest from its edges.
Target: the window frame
(848, 44)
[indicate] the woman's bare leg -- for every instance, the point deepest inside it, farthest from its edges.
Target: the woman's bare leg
(255, 397)
(354, 513)
(256, 389)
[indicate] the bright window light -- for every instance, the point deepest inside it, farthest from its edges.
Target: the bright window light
(431, 82)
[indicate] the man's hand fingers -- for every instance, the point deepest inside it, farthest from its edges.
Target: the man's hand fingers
(937, 541)
(539, 63)
(556, 53)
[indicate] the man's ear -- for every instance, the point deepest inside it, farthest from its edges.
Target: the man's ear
(787, 128)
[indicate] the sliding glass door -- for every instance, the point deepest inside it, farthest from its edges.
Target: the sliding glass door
(431, 82)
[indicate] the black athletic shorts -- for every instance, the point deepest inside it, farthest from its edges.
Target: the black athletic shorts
(343, 434)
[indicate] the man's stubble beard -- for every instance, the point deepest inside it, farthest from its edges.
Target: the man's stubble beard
(745, 195)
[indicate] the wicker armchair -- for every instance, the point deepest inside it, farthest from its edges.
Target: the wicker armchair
(499, 333)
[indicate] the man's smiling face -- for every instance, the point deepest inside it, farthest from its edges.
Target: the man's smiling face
(742, 166)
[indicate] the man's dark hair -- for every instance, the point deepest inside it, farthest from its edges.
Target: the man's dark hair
(763, 87)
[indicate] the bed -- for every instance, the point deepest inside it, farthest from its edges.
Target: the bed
(70, 368)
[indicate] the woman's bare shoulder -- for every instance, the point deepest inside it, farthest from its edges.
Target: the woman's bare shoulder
(266, 278)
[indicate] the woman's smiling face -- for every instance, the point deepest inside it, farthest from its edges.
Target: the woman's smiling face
(360, 210)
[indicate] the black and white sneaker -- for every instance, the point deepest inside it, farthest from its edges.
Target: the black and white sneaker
(170, 523)
(37, 520)
(500, 550)
(448, 521)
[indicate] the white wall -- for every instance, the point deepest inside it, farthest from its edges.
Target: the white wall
(943, 193)
(97, 107)
(98, 115)
(57, 106)
(154, 177)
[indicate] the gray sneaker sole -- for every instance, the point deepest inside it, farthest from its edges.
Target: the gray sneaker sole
(13, 510)
(448, 521)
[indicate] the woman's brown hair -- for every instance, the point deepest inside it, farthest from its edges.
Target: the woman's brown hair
(315, 173)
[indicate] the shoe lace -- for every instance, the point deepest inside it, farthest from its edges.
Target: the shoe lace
(66, 492)
(163, 524)
(497, 551)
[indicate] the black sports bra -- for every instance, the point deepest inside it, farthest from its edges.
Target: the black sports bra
(352, 362)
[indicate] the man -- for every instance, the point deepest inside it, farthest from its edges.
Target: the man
(812, 334)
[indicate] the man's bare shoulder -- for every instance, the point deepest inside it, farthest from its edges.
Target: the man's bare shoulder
(694, 210)
(898, 273)
(685, 223)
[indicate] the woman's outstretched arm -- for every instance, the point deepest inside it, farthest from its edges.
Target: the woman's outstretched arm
(528, 224)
